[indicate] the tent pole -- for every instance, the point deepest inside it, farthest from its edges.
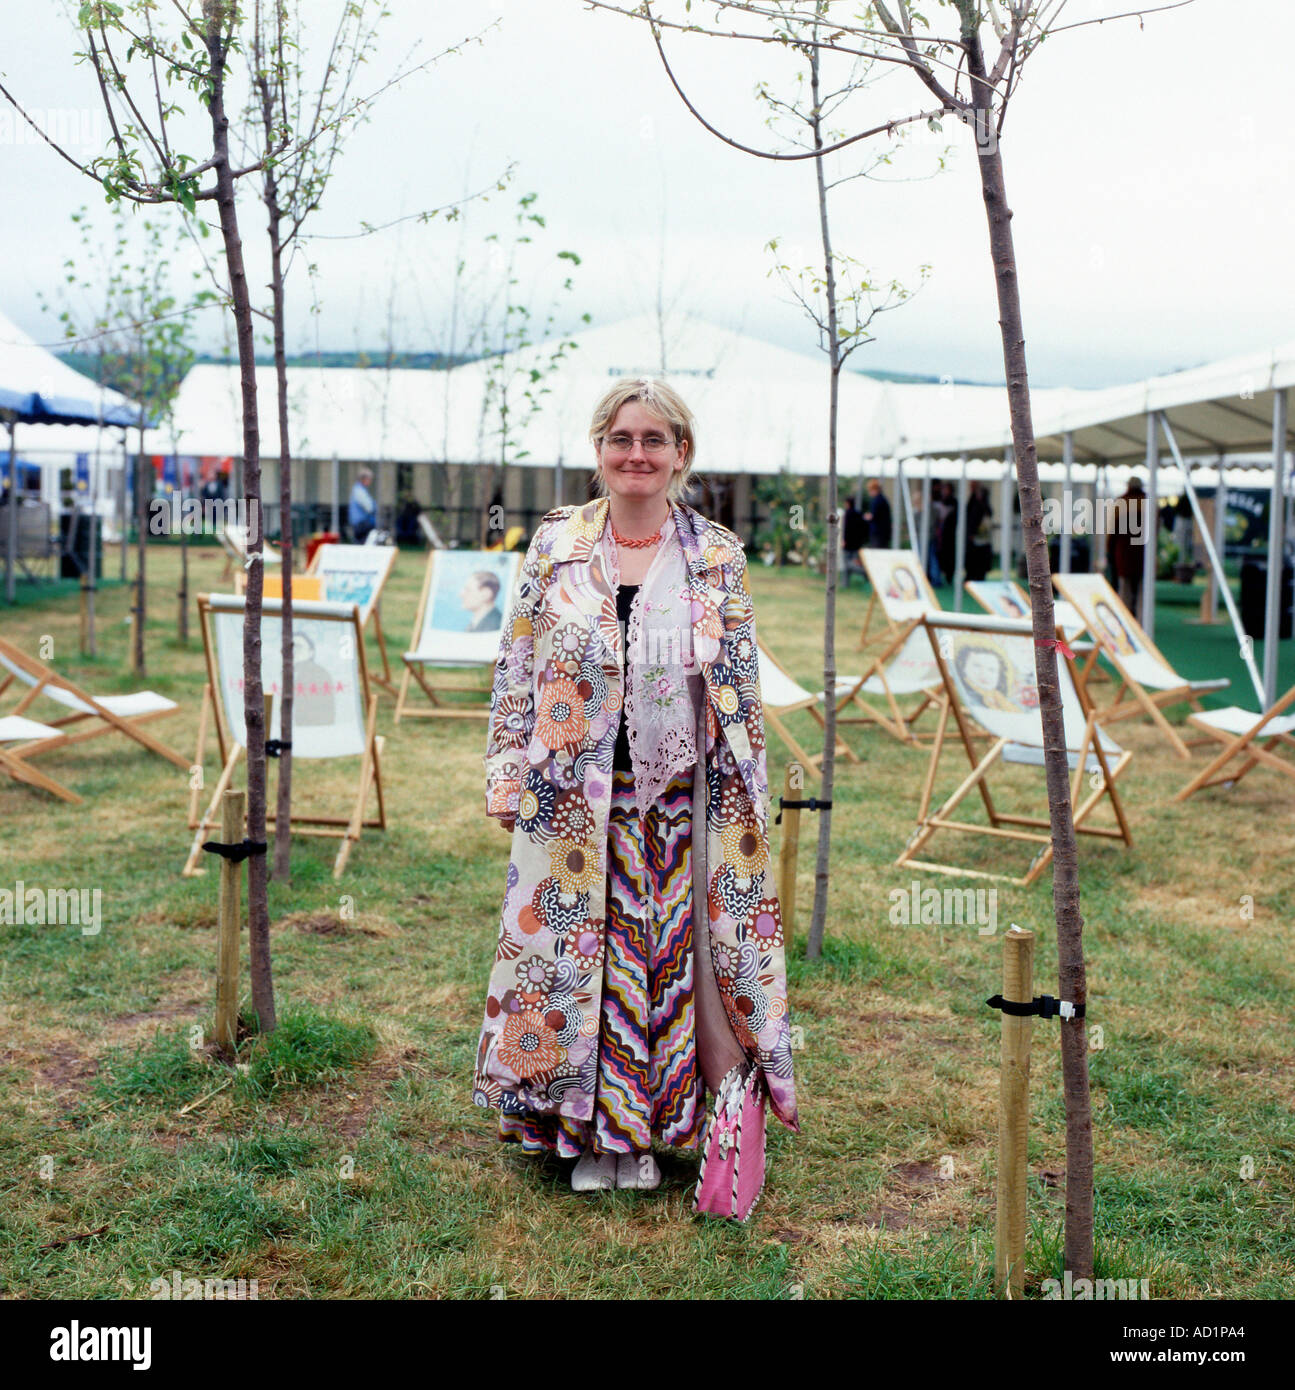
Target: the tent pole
(924, 543)
(11, 543)
(1101, 480)
(1216, 562)
(1067, 507)
(1220, 539)
(1276, 547)
(337, 483)
(1005, 517)
(960, 559)
(1152, 528)
(909, 520)
(557, 481)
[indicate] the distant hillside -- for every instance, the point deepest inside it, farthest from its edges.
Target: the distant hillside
(87, 363)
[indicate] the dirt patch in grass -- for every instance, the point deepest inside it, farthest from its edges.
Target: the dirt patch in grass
(324, 923)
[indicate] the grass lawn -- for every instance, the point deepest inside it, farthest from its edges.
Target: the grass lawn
(344, 1158)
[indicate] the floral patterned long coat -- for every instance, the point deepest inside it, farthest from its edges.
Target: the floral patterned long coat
(554, 713)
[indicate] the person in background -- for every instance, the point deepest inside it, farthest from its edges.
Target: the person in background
(362, 510)
(1125, 542)
(941, 508)
(980, 545)
(877, 515)
(854, 536)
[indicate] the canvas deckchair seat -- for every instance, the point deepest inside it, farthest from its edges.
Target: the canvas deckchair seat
(1154, 674)
(236, 536)
(344, 735)
(1031, 755)
(435, 643)
(16, 728)
(1235, 720)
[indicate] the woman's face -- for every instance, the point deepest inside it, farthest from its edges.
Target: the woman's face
(981, 669)
(638, 473)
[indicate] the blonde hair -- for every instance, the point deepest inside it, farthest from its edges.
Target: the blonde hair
(663, 401)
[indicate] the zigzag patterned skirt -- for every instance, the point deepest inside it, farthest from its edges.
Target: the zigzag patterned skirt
(648, 1084)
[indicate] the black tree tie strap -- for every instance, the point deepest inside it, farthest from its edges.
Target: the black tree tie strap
(1043, 1005)
(236, 853)
(813, 804)
(275, 746)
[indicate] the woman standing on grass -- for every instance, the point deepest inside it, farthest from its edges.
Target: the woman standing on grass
(625, 715)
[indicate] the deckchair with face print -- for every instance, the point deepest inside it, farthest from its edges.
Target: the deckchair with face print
(781, 695)
(901, 595)
(1145, 676)
(465, 601)
(358, 574)
(986, 666)
(1253, 739)
(334, 714)
(14, 728)
(89, 717)
(233, 541)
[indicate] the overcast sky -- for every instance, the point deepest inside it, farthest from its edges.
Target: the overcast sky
(1149, 170)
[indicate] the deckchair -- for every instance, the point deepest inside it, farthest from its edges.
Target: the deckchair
(900, 589)
(358, 574)
(781, 695)
(1143, 671)
(16, 729)
(1239, 731)
(334, 714)
(122, 714)
(233, 541)
(987, 670)
(448, 638)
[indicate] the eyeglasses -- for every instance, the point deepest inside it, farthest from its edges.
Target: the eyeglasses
(652, 443)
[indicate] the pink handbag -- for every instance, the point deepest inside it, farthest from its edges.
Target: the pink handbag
(731, 1178)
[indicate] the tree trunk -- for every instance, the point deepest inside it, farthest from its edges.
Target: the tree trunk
(258, 916)
(818, 920)
(1072, 982)
(182, 593)
(283, 807)
(142, 498)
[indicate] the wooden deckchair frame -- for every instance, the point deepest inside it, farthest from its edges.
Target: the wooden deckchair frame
(1243, 746)
(1002, 825)
(1151, 703)
(13, 761)
(108, 723)
(774, 715)
(348, 828)
(875, 600)
(416, 670)
(385, 681)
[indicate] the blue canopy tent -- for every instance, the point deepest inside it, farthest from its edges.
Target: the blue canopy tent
(37, 388)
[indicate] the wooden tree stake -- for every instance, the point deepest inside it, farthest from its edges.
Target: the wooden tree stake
(233, 812)
(1013, 1115)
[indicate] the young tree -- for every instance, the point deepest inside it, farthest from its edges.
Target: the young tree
(136, 65)
(841, 298)
(299, 118)
(515, 382)
(953, 69)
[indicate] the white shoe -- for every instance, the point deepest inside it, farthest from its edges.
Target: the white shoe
(638, 1171)
(593, 1172)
